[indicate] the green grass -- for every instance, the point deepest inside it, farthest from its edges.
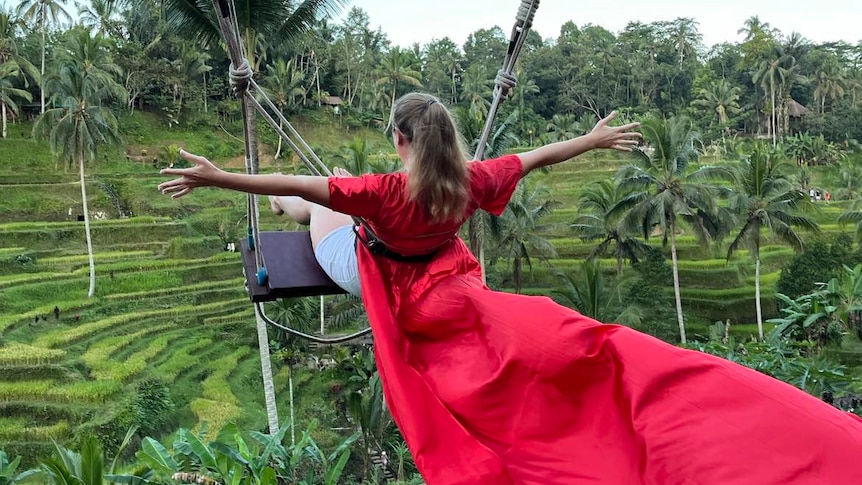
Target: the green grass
(169, 303)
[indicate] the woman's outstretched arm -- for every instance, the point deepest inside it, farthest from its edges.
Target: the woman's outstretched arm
(603, 136)
(205, 174)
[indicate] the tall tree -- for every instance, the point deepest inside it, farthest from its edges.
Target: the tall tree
(586, 291)
(43, 12)
(399, 66)
(82, 123)
(721, 100)
(15, 69)
(770, 75)
(765, 199)
(285, 84)
(666, 192)
(600, 221)
(516, 229)
(829, 83)
(276, 20)
(10, 73)
(101, 16)
(443, 62)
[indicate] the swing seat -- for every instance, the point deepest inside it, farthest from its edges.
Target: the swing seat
(292, 271)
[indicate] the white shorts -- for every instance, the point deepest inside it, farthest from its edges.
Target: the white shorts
(336, 254)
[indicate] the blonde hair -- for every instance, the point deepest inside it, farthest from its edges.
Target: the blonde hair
(438, 178)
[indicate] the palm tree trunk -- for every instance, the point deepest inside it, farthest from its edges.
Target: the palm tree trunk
(475, 236)
(676, 293)
(516, 274)
(292, 421)
(4, 119)
(92, 291)
(42, 71)
(278, 150)
(266, 370)
(262, 336)
(205, 92)
(773, 116)
(758, 308)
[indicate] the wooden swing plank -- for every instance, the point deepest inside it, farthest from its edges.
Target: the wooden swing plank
(291, 267)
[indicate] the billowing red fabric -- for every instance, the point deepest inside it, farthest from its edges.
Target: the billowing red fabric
(495, 388)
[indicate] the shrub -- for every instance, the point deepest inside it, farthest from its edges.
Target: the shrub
(153, 405)
(818, 264)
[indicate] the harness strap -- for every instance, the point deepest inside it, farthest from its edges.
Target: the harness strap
(376, 246)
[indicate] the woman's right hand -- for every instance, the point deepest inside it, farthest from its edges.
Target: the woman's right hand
(202, 174)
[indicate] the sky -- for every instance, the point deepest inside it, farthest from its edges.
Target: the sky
(409, 21)
(406, 22)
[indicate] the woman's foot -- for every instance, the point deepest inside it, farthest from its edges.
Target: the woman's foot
(275, 206)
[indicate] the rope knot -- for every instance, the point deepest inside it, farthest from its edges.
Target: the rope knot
(240, 78)
(506, 81)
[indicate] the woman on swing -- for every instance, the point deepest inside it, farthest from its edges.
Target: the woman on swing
(495, 388)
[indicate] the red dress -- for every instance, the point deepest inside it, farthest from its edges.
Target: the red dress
(495, 388)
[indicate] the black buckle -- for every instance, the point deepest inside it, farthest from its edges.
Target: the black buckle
(377, 247)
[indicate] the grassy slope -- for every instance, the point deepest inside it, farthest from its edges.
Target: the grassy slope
(162, 282)
(163, 270)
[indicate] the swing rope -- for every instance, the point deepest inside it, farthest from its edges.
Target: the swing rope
(245, 88)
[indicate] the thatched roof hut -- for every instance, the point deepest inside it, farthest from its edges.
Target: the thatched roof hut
(796, 110)
(332, 101)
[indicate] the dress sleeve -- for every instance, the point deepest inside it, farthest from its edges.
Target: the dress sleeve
(357, 196)
(495, 180)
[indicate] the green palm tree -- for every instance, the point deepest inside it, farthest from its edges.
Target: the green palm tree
(588, 293)
(10, 72)
(281, 21)
(398, 66)
(42, 13)
(829, 83)
(82, 122)
(477, 89)
(191, 63)
(516, 229)
(722, 100)
(100, 15)
(501, 140)
(89, 466)
(770, 75)
(278, 21)
(764, 198)
(754, 27)
(356, 157)
(442, 61)
(15, 70)
(563, 126)
(297, 313)
(666, 192)
(853, 216)
(526, 86)
(9, 474)
(850, 176)
(284, 83)
(599, 222)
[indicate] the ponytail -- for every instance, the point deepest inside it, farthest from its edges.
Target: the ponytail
(438, 178)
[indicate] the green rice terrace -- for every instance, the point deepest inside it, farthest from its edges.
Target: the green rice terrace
(169, 340)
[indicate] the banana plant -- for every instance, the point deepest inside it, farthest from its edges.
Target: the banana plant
(8, 469)
(88, 467)
(233, 460)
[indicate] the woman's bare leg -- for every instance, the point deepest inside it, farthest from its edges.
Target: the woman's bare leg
(296, 208)
(321, 219)
(325, 220)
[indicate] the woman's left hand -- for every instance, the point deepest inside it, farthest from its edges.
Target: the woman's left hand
(202, 174)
